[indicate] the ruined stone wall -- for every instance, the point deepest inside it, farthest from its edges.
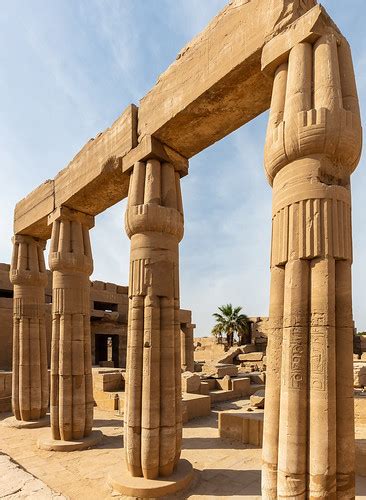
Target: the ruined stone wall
(108, 316)
(101, 321)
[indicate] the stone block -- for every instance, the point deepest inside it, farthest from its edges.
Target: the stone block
(257, 399)
(359, 374)
(30, 214)
(246, 349)
(197, 405)
(251, 357)
(363, 356)
(360, 409)
(5, 391)
(241, 386)
(108, 381)
(224, 383)
(93, 180)
(191, 382)
(222, 370)
(5, 404)
(257, 377)
(247, 428)
(221, 395)
(212, 383)
(205, 388)
(308, 28)
(230, 355)
(197, 367)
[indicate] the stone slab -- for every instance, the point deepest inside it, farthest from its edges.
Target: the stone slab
(148, 148)
(309, 28)
(245, 427)
(92, 182)
(223, 370)
(47, 443)
(30, 214)
(360, 409)
(197, 405)
(251, 356)
(122, 482)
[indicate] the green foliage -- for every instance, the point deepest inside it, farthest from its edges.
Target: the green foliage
(230, 321)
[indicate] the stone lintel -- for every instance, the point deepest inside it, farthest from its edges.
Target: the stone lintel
(71, 214)
(215, 86)
(92, 182)
(308, 28)
(25, 238)
(152, 148)
(30, 214)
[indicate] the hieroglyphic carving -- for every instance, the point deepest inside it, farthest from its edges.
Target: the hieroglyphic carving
(313, 146)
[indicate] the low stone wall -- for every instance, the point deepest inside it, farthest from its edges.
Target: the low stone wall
(5, 391)
(360, 409)
(195, 405)
(245, 427)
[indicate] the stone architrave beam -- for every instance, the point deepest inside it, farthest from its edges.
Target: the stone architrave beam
(215, 86)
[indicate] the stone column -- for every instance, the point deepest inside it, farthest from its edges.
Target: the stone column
(313, 145)
(186, 336)
(153, 414)
(71, 261)
(30, 378)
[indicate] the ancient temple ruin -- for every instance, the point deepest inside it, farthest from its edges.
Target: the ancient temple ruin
(284, 55)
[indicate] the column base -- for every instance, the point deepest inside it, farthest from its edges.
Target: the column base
(13, 423)
(50, 444)
(122, 482)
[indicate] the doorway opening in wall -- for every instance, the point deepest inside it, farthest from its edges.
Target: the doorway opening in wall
(106, 350)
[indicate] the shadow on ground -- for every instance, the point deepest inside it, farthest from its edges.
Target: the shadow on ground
(203, 443)
(224, 483)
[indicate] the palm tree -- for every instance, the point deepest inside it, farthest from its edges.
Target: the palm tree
(230, 321)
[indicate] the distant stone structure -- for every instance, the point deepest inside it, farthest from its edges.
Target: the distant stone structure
(108, 325)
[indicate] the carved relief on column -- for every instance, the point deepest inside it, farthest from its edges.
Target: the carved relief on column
(71, 261)
(154, 223)
(313, 145)
(30, 393)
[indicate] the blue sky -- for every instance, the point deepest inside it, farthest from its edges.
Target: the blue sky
(68, 69)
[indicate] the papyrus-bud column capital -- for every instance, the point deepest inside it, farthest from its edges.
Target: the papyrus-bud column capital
(153, 415)
(30, 378)
(71, 261)
(313, 145)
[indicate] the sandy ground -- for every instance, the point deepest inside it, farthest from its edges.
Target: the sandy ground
(223, 469)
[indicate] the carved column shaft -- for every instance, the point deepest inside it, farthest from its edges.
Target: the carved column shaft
(71, 368)
(154, 223)
(186, 335)
(30, 378)
(313, 145)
